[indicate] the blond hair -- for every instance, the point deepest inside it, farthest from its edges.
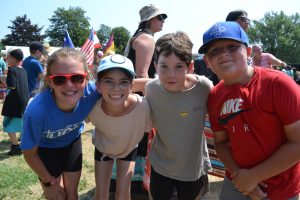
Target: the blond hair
(63, 53)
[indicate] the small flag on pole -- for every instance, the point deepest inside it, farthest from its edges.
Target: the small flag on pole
(110, 45)
(67, 40)
(89, 46)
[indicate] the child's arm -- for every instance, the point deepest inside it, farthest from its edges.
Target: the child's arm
(139, 84)
(221, 140)
(53, 190)
(284, 158)
(224, 154)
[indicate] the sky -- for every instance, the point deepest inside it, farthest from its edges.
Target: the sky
(191, 16)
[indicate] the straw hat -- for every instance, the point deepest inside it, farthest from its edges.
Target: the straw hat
(150, 11)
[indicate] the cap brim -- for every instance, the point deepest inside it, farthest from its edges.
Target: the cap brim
(204, 47)
(133, 74)
(165, 16)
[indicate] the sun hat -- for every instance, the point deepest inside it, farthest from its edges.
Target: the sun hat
(223, 30)
(116, 61)
(3, 52)
(16, 53)
(150, 11)
(35, 45)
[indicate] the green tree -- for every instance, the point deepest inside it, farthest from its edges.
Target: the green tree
(121, 37)
(279, 34)
(74, 21)
(103, 34)
(22, 32)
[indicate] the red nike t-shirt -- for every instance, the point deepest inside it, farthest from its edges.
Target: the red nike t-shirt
(253, 116)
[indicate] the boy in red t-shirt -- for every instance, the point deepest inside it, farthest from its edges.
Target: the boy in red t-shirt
(255, 117)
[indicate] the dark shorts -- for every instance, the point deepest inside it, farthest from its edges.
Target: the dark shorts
(143, 144)
(162, 187)
(66, 159)
(100, 157)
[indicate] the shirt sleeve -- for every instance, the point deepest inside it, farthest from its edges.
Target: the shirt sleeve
(11, 79)
(31, 132)
(286, 99)
(212, 113)
(148, 124)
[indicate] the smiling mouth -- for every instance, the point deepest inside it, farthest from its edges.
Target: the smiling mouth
(116, 96)
(70, 93)
(226, 61)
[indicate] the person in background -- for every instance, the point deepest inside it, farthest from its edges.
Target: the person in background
(178, 105)
(202, 69)
(254, 114)
(3, 73)
(16, 99)
(289, 71)
(266, 60)
(139, 50)
(54, 121)
(130, 112)
(241, 17)
(140, 47)
(44, 57)
(33, 66)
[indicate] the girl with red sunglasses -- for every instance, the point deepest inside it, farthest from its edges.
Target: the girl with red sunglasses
(53, 122)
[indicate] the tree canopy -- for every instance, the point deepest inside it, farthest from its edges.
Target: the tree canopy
(121, 37)
(278, 34)
(104, 33)
(22, 32)
(74, 21)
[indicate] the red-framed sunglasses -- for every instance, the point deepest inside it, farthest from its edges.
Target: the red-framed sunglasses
(60, 79)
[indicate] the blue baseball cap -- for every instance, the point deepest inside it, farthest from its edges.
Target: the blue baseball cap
(223, 30)
(116, 61)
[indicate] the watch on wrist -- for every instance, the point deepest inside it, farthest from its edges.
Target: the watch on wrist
(50, 183)
(47, 184)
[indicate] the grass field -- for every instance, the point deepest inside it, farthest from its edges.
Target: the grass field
(17, 181)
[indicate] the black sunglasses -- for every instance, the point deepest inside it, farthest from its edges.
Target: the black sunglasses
(60, 79)
(245, 19)
(161, 18)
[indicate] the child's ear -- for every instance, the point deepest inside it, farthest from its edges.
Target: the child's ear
(206, 62)
(49, 82)
(191, 68)
(98, 85)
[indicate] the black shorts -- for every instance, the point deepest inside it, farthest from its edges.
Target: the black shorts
(143, 144)
(130, 157)
(162, 187)
(65, 159)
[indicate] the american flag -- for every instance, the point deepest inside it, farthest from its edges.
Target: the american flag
(89, 45)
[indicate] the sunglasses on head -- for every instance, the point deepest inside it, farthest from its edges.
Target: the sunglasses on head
(60, 79)
(160, 18)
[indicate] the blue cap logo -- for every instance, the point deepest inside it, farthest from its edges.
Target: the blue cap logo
(116, 61)
(217, 30)
(223, 30)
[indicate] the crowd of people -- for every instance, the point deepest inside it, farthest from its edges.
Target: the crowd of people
(154, 96)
